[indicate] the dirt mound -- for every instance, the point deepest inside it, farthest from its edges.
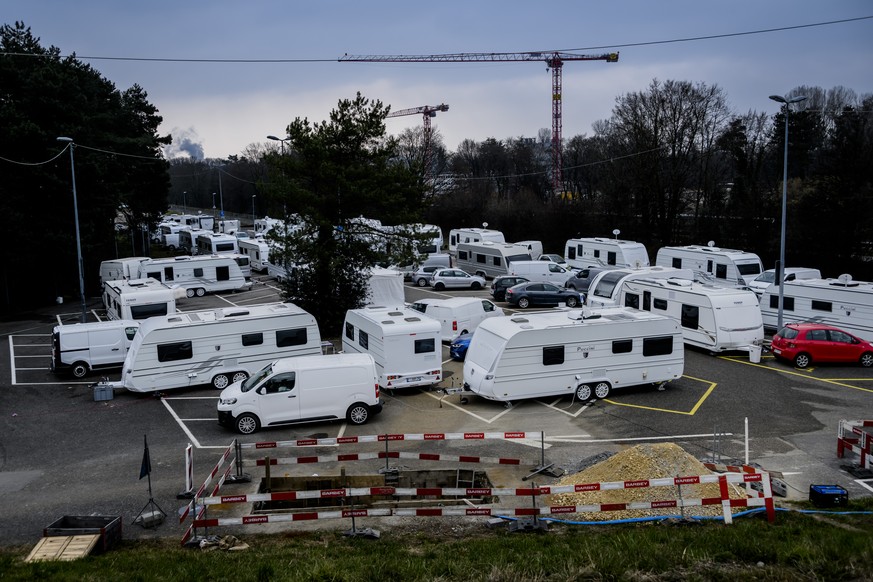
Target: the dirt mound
(649, 461)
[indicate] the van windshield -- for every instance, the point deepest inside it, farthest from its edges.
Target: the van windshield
(257, 378)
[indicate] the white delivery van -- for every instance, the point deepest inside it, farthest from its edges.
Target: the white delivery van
(139, 298)
(216, 346)
(77, 349)
(404, 344)
(201, 274)
(724, 266)
(489, 259)
(118, 269)
(457, 315)
(544, 271)
(304, 389)
(711, 317)
(594, 251)
(572, 353)
(841, 302)
(469, 235)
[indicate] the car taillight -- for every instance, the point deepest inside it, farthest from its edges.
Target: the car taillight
(454, 326)
(509, 291)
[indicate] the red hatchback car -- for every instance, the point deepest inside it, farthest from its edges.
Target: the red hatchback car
(804, 343)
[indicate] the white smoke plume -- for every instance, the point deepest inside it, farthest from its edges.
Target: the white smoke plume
(186, 144)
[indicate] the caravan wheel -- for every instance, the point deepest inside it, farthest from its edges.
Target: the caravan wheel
(583, 392)
(189, 293)
(602, 389)
(239, 377)
(220, 381)
(201, 292)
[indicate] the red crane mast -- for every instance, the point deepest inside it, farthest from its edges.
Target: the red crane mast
(428, 111)
(554, 60)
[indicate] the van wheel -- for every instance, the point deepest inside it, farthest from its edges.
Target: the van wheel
(802, 360)
(524, 303)
(583, 392)
(200, 292)
(220, 381)
(247, 423)
(572, 302)
(867, 360)
(239, 377)
(171, 248)
(189, 293)
(475, 286)
(602, 389)
(439, 286)
(422, 282)
(358, 413)
(79, 369)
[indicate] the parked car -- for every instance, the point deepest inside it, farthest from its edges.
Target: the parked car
(805, 343)
(500, 284)
(421, 277)
(535, 293)
(458, 348)
(446, 278)
(554, 258)
(582, 278)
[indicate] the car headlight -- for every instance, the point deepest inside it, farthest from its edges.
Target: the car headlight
(227, 401)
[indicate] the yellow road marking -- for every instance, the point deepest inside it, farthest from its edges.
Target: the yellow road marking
(691, 412)
(797, 372)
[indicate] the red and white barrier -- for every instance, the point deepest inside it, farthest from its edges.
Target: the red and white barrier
(852, 437)
(379, 438)
(390, 455)
(198, 515)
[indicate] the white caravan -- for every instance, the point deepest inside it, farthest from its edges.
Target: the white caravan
(581, 253)
(139, 298)
(77, 349)
(210, 243)
(572, 353)
(457, 315)
(216, 346)
(303, 389)
(117, 269)
(188, 239)
(768, 277)
(169, 235)
(258, 252)
(724, 266)
(604, 288)
(842, 302)
(489, 259)
(201, 274)
(404, 344)
(469, 235)
(228, 226)
(711, 317)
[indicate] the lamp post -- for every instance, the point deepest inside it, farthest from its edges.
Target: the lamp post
(69, 141)
(253, 210)
(787, 101)
(220, 194)
(279, 139)
(213, 205)
(184, 202)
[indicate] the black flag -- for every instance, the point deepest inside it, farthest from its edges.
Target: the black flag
(146, 467)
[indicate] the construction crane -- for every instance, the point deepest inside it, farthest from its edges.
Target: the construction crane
(428, 111)
(554, 61)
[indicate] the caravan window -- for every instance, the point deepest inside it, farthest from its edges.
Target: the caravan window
(690, 316)
(350, 331)
(553, 355)
(222, 247)
(175, 351)
(252, 339)
(622, 346)
(285, 338)
(222, 273)
(660, 304)
(788, 306)
(462, 255)
(198, 272)
(146, 311)
(571, 253)
(425, 346)
(363, 339)
(657, 346)
(749, 268)
(822, 305)
(498, 261)
(632, 300)
(677, 263)
(480, 258)
(647, 300)
(610, 258)
(721, 271)
(168, 273)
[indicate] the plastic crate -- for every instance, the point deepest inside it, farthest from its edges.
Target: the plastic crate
(828, 496)
(108, 527)
(103, 392)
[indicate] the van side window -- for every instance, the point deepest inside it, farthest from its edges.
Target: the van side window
(130, 332)
(622, 346)
(657, 346)
(350, 331)
(291, 337)
(487, 306)
(553, 355)
(363, 339)
(690, 316)
(280, 383)
(252, 339)
(175, 351)
(425, 346)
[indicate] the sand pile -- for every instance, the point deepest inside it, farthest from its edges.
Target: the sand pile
(649, 461)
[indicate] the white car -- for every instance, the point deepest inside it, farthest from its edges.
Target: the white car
(446, 278)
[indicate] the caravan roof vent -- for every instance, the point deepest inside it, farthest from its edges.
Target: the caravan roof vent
(412, 318)
(679, 282)
(234, 312)
(520, 320)
(395, 313)
(174, 319)
(391, 321)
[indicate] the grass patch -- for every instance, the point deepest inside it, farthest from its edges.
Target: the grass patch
(796, 547)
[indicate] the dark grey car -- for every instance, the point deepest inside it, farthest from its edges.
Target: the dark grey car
(582, 278)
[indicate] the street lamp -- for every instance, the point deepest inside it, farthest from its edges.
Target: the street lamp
(787, 101)
(71, 145)
(213, 205)
(253, 210)
(184, 202)
(220, 194)
(279, 139)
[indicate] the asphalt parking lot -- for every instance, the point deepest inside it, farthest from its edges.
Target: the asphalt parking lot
(62, 453)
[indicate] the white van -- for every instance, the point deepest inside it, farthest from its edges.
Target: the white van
(469, 235)
(216, 346)
(489, 259)
(304, 389)
(572, 353)
(760, 283)
(724, 266)
(594, 251)
(139, 298)
(545, 271)
(77, 349)
(404, 344)
(457, 315)
(534, 247)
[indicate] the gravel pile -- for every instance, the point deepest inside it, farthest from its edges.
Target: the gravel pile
(649, 461)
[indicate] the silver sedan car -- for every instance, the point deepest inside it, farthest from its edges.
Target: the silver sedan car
(455, 278)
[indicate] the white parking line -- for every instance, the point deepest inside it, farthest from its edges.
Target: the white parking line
(554, 407)
(863, 483)
(12, 358)
(181, 424)
(570, 439)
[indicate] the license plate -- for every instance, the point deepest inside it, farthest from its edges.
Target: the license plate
(777, 351)
(415, 379)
